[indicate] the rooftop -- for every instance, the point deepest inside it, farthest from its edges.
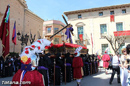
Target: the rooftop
(33, 13)
(54, 22)
(97, 9)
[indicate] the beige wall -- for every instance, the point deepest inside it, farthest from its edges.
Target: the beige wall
(53, 24)
(33, 24)
(18, 14)
(91, 24)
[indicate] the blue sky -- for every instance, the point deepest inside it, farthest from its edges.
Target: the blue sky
(53, 9)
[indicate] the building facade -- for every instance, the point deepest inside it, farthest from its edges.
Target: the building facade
(95, 22)
(26, 22)
(51, 27)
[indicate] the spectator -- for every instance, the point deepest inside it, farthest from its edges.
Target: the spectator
(115, 68)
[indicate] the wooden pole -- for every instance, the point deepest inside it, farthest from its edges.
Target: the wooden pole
(59, 31)
(65, 71)
(65, 19)
(54, 71)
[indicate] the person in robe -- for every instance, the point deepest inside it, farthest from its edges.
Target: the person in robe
(14, 65)
(10, 67)
(77, 66)
(71, 57)
(6, 73)
(51, 69)
(87, 65)
(106, 59)
(17, 64)
(93, 64)
(2, 66)
(68, 67)
(84, 67)
(29, 60)
(43, 67)
(58, 69)
(68, 32)
(96, 64)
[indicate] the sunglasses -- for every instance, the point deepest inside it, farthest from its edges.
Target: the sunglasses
(124, 51)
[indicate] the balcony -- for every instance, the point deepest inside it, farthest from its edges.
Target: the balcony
(122, 33)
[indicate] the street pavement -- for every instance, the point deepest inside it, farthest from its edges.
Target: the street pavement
(99, 79)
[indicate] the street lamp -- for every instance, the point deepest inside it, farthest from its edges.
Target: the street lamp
(23, 39)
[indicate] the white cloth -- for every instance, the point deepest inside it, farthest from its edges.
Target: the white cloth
(128, 80)
(115, 60)
(123, 76)
(12, 59)
(122, 58)
(78, 80)
(101, 63)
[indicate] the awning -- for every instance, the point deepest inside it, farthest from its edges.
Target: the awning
(122, 33)
(66, 45)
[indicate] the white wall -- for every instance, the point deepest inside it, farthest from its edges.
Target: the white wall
(91, 24)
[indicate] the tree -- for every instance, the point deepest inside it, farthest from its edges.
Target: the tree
(32, 39)
(115, 41)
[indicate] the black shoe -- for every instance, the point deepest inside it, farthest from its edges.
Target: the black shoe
(110, 83)
(119, 82)
(78, 84)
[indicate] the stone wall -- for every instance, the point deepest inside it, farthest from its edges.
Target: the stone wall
(25, 21)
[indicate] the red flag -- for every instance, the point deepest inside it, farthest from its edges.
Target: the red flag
(14, 34)
(81, 37)
(5, 32)
(92, 40)
(112, 18)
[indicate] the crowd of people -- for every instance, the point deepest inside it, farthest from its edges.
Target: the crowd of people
(9, 66)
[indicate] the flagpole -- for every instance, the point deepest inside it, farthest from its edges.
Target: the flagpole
(14, 47)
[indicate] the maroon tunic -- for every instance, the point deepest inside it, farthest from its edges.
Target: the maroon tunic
(34, 77)
(77, 65)
(106, 59)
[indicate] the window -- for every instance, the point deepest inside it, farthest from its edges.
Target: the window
(119, 26)
(103, 28)
(80, 31)
(49, 30)
(56, 40)
(123, 10)
(111, 12)
(56, 29)
(100, 13)
(121, 48)
(104, 46)
(79, 16)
